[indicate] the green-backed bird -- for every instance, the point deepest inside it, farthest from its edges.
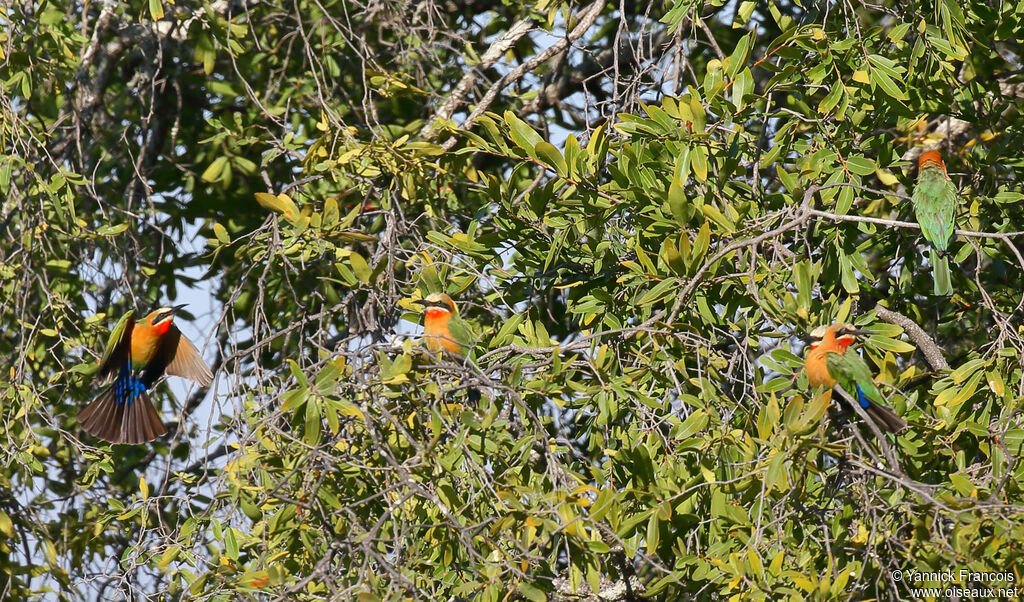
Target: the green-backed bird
(444, 329)
(137, 355)
(442, 326)
(831, 360)
(935, 201)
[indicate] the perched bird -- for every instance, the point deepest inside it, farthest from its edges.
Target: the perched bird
(137, 355)
(935, 201)
(442, 326)
(444, 329)
(830, 360)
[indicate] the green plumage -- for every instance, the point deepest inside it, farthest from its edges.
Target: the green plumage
(464, 336)
(115, 336)
(935, 201)
(461, 332)
(854, 376)
(852, 373)
(118, 348)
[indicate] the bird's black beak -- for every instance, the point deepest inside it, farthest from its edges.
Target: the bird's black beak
(167, 314)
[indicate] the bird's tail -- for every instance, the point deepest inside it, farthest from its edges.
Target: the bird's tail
(940, 273)
(123, 413)
(882, 416)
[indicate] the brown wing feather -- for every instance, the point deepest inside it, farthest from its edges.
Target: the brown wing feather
(188, 363)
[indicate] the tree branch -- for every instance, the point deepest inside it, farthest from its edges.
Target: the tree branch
(586, 19)
(931, 351)
(458, 93)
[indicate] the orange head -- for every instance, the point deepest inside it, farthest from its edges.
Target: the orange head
(439, 305)
(439, 311)
(823, 341)
(160, 320)
(931, 158)
(836, 337)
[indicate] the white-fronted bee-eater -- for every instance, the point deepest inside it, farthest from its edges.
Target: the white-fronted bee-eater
(137, 355)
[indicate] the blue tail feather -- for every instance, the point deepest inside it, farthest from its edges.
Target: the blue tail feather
(128, 388)
(862, 399)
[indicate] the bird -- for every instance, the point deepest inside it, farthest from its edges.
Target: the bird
(831, 360)
(935, 201)
(136, 356)
(443, 329)
(442, 326)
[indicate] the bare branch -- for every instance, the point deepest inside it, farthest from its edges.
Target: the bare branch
(931, 351)
(585, 20)
(458, 94)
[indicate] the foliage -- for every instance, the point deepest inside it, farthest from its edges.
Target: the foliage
(642, 208)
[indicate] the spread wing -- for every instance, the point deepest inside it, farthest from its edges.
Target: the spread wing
(188, 362)
(119, 347)
(177, 356)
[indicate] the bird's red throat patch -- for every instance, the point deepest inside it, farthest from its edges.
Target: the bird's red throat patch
(436, 313)
(844, 342)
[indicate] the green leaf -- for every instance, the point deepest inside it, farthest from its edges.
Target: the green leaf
(889, 344)
(847, 275)
(738, 59)
(699, 163)
(532, 592)
(550, 156)
(231, 544)
(741, 86)
(802, 278)
(700, 245)
(712, 213)
(507, 330)
(775, 478)
(743, 13)
(860, 165)
(522, 134)
(113, 230)
(887, 84)
(213, 172)
(331, 215)
(653, 533)
(693, 424)
(968, 368)
(832, 98)
(280, 203)
(313, 422)
(660, 291)
(221, 233)
(677, 201)
(359, 267)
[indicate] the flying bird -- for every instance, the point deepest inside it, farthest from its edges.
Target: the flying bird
(137, 355)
